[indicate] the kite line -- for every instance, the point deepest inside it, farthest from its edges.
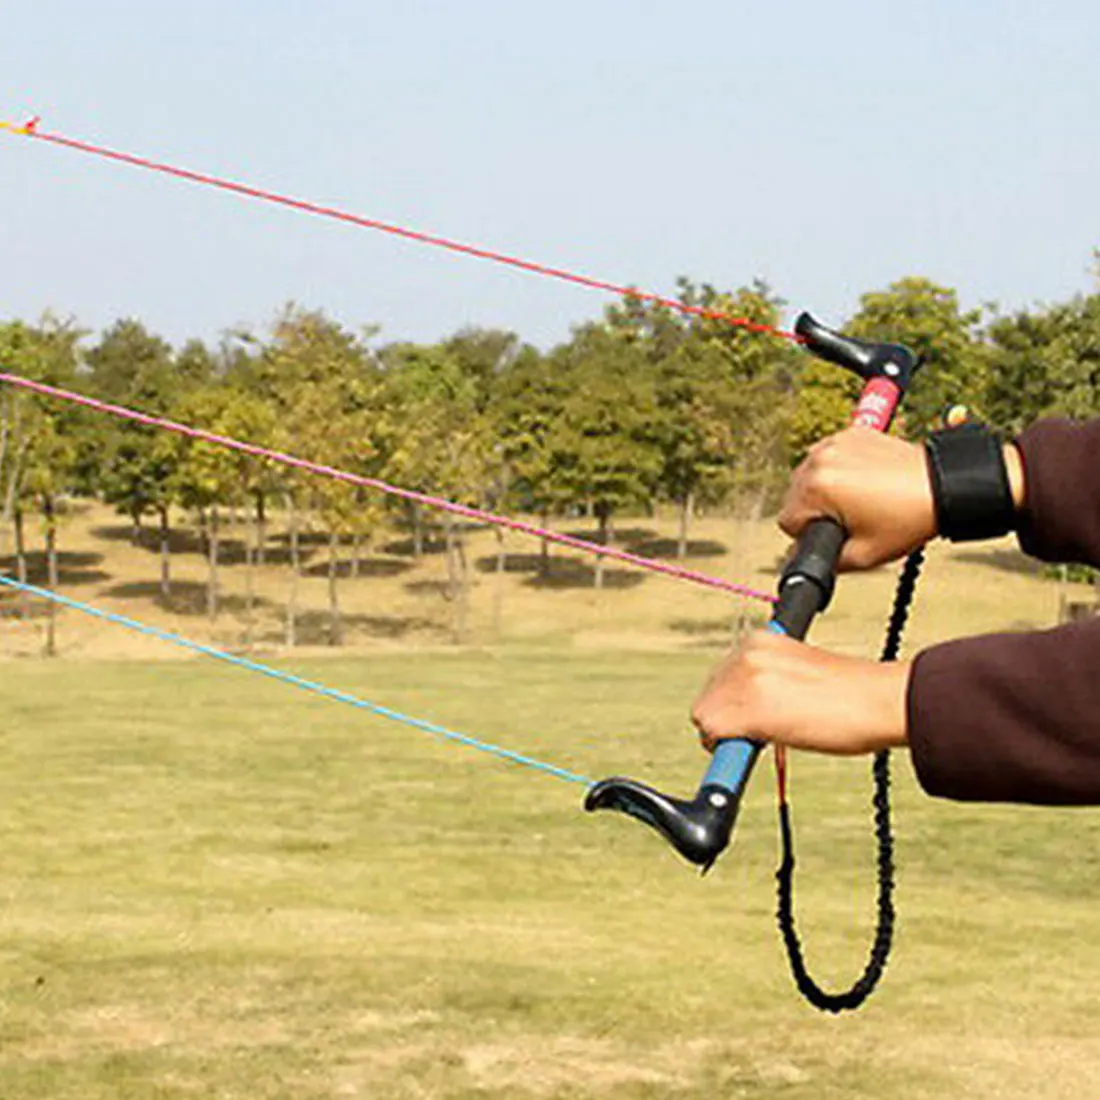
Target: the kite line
(31, 129)
(477, 514)
(295, 681)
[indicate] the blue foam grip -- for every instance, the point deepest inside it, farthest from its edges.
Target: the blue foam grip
(731, 764)
(733, 760)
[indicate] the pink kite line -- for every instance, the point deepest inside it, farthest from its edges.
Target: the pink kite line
(33, 130)
(426, 499)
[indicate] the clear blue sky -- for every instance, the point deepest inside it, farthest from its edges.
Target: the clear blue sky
(827, 148)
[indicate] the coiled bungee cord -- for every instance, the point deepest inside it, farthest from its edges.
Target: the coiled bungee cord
(854, 997)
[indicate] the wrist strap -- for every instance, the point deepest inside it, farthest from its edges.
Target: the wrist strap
(969, 484)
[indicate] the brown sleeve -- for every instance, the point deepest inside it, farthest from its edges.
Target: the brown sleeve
(1016, 717)
(1061, 519)
(1010, 717)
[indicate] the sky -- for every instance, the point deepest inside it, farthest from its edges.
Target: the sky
(828, 149)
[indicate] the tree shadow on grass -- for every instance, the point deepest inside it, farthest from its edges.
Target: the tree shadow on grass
(433, 542)
(620, 536)
(231, 551)
(315, 627)
(180, 540)
(306, 539)
(73, 568)
(664, 548)
(404, 547)
(429, 588)
(512, 563)
(563, 573)
(367, 568)
(186, 598)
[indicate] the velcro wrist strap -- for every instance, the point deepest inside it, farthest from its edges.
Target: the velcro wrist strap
(970, 484)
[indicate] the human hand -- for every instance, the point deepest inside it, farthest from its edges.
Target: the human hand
(776, 689)
(876, 486)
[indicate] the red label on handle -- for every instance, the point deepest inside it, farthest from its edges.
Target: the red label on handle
(877, 404)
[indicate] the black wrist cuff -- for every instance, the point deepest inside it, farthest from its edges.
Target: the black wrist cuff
(970, 484)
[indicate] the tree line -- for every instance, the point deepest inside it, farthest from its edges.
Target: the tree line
(646, 407)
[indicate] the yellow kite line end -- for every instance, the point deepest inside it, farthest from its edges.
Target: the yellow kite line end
(26, 129)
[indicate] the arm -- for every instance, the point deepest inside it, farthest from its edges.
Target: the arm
(1006, 717)
(1016, 717)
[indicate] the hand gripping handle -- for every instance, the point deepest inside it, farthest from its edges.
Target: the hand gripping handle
(700, 829)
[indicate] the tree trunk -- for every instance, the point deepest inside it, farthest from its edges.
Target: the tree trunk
(603, 514)
(335, 624)
(261, 528)
(251, 539)
(15, 477)
(544, 548)
(457, 588)
(452, 568)
(743, 618)
(356, 553)
(418, 530)
(135, 526)
(212, 545)
(19, 533)
(14, 485)
(165, 552)
(462, 604)
(498, 586)
(52, 578)
(295, 569)
(687, 511)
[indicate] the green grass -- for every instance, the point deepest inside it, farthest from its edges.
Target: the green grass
(214, 886)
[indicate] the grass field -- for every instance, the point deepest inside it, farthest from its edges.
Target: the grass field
(215, 887)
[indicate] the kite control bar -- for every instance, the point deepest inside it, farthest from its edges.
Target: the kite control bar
(700, 829)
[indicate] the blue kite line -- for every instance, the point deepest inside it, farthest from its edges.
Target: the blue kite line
(297, 681)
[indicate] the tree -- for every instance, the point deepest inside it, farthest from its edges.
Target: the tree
(1031, 367)
(208, 477)
(527, 404)
(322, 385)
(39, 441)
(437, 439)
(726, 393)
(604, 447)
(1075, 352)
(130, 366)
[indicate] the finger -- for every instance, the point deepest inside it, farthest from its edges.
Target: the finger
(852, 559)
(799, 508)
